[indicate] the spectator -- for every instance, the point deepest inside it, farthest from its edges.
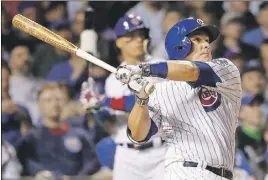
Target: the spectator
(252, 78)
(10, 165)
(28, 9)
(21, 78)
(46, 55)
(232, 29)
(56, 148)
(78, 24)
(7, 35)
(172, 16)
(264, 56)
(72, 72)
(250, 134)
(55, 14)
(200, 9)
(16, 120)
(257, 35)
(74, 7)
(152, 13)
(11, 7)
(241, 8)
(236, 58)
(264, 60)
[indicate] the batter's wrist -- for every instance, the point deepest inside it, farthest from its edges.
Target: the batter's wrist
(141, 101)
(155, 69)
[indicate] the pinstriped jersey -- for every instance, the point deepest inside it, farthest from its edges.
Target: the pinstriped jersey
(199, 123)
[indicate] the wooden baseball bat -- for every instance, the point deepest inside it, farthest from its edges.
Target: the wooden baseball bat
(36, 30)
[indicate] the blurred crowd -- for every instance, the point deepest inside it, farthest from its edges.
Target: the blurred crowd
(41, 84)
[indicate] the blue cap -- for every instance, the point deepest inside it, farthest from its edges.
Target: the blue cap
(128, 24)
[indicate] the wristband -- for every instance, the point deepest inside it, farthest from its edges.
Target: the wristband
(156, 69)
(159, 69)
(142, 102)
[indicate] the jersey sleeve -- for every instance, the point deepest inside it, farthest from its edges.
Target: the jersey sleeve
(222, 76)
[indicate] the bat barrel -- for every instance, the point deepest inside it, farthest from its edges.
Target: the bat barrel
(36, 30)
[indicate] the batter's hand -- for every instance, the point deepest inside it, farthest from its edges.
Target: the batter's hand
(137, 85)
(89, 96)
(124, 73)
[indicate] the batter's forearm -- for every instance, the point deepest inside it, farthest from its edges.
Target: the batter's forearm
(182, 71)
(173, 70)
(139, 122)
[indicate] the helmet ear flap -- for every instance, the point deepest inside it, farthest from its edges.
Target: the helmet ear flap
(184, 48)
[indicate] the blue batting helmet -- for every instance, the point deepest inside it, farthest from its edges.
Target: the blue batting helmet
(178, 45)
(127, 24)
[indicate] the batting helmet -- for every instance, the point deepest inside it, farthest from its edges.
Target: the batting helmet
(127, 24)
(178, 45)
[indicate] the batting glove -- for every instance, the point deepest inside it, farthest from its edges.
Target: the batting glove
(124, 73)
(89, 97)
(137, 85)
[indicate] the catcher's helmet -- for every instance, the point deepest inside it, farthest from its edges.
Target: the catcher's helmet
(178, 45)
(127, 24)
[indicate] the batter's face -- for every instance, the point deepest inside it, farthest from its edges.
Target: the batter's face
(200, 47)
(132, 44)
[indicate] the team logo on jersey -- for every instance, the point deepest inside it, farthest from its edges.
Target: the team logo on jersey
(209, 99)
(73, 144)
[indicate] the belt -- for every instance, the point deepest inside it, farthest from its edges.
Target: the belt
(139, 147)
(218, 171)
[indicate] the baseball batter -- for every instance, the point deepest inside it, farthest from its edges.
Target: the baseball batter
(196, 109)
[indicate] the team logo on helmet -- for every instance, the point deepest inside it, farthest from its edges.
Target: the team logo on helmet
(209, 99)
(200, 21)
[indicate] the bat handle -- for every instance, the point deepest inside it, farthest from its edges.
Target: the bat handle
(83, 54)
